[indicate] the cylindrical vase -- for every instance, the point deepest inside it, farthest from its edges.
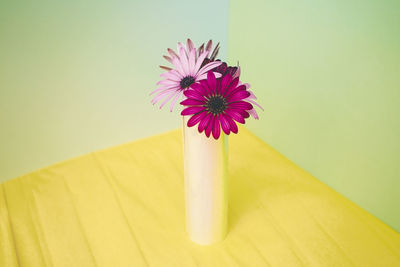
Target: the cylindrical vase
(205, 179)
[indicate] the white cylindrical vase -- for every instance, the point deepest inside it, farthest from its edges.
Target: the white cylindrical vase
(205, 179)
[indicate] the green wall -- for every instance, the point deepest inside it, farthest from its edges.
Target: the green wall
(75, 76)
(328, 75)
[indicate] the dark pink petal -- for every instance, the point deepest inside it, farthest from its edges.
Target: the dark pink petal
(232, 124)
(210, 126)
(235, 115)
(196, 118)
(218, 87)
(191, 110)
(212, 82)
(237, 73)
(204, 122)
(235, 90)
(242, 113)
(193, 94)
(224, 124)
(239, 95)
(199, 88)
(205, 86)
(225, 82)
(240, 105)
(231, 86)
(191, 102)
(216, 131)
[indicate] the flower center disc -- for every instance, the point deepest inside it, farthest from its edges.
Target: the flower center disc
(186, 82)
(216, 104)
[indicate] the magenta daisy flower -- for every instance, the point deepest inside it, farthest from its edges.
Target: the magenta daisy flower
(224, 69)
(216, 104)
(189, 69)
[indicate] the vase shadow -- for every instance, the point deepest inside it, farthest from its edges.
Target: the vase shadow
(243, 195)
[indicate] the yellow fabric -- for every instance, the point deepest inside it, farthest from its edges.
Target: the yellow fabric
(124, 206)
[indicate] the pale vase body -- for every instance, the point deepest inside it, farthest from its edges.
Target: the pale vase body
(205, 179)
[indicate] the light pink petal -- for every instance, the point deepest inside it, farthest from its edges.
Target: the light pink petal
(173, 54)
(192, 61)
(180, 45)
(167, 82)
(252, 95)
(168, 98)
(200, 61)
(253, 113)
(170, 76)
(202, 77)
(169, 59)
(164, 88)
(176, 73)
(208, 67)
(174, 101)
(216, 131)
(162, 94)
(184, 60)
(189, 45)
(178, 66)
(254, 102)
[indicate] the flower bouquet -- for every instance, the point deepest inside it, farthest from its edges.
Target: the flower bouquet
(214, 98)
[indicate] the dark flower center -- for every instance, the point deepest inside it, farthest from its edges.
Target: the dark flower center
(186, 82)
(216, 104)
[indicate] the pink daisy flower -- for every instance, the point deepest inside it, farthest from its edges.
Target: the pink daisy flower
(189, 69)
(223, 69)
(216, 104)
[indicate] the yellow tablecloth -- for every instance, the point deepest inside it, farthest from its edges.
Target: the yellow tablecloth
(124, 206)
